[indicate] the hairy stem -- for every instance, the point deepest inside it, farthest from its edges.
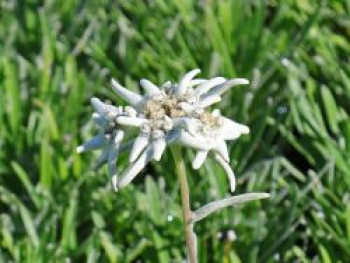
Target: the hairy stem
(191, 239)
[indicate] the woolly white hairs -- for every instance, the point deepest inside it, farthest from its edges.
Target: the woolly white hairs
(172, 113)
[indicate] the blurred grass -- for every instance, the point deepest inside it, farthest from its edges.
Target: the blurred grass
(54, 55)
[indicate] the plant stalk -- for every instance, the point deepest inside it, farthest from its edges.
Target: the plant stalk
(191, 239)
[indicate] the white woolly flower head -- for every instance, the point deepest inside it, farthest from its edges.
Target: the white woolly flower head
(172, 113)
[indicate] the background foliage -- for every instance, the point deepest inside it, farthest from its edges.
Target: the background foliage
(55, 55)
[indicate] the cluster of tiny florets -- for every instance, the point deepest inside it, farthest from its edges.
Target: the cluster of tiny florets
(166, 106)
(210, 124)
(161, 109)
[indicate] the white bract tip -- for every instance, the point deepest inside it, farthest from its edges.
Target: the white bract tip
(159, 147)
(186, 80)
(136, 167)
(229, 172)
(219, 90)
(149, 87)
(95, 143)
(239, 81)
(115, 182)
(103, 109)
(199, 159)
(80, 149)
(132, 98)
(232, 130)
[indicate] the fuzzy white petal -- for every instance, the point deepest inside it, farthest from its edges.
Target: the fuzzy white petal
(206, 86)
(115, 182)
(209, 100)
(136, 167)
(112, 159)
(98, 105)
(95, 143)
(232, 130)
(139, 145)
(228, 170)
(186, 80)
(199, 159)
(131, 121)
(227, 85)
(132, 98)
(103, 109)
(159, 147)
(149, 87)
(118, 136)
(197, 142)
(221, 149)
(95, 115)
(195, 82)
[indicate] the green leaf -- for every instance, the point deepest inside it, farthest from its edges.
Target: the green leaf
(24, 177)
(347, 218)
(324, 255)
(69, 235)
(330, 107)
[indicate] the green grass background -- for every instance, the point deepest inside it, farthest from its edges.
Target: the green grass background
(55, 55)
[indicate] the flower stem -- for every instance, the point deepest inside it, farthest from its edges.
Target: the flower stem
(191, 239)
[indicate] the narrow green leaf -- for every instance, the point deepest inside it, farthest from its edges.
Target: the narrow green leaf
(112, 252)
(347, 218)
(13, 99)
(29, 225)
(69, 238)
(24, 177)
(324, 254)
(46, 164)
(330, 107)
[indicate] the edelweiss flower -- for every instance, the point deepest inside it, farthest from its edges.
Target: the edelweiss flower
(171, 113)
